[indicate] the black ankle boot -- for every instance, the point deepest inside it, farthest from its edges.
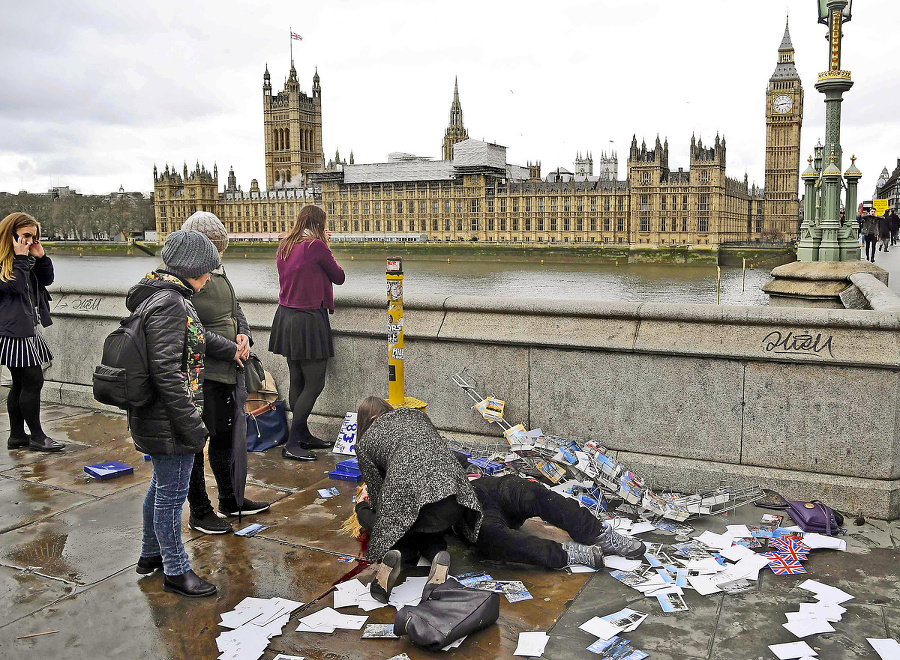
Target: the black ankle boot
(188, 584)
(147, 565)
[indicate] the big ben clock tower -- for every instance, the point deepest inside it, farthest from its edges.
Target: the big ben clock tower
(784, 116)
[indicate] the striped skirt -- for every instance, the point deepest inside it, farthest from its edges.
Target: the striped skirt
(24, 351)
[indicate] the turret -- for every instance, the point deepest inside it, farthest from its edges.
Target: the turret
(316, 89)
(267, 82)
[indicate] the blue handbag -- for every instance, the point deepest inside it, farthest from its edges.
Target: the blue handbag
(267, 427)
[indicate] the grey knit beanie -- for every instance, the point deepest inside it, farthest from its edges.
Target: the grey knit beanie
(189, 254)
(207, 223)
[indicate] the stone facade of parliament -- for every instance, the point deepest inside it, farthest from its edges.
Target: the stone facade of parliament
(473, 193)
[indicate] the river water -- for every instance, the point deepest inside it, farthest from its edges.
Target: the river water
(632, 283)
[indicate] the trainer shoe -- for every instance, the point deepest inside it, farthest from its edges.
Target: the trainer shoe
(587, 555)
(613, 543)
(248, 508)
(386, 576)
(210, 524)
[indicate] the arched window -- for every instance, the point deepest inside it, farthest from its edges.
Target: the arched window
(277, 174)
(275, 139)
(287, 138)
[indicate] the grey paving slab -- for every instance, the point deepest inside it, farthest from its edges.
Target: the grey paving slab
(66, 470)
(11, 458)
(23, 593)
(89, 428)
(25, 502)
(892, 621)
(84, 544)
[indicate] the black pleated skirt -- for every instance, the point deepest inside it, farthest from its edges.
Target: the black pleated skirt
(301, 334)
(24, 351)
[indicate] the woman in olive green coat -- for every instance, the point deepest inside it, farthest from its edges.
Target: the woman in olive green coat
(219, 312)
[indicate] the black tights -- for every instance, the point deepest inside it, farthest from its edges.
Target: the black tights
(24, 402)
(218, 415)
(307, 383)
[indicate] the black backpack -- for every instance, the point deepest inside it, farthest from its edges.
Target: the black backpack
(122, 378)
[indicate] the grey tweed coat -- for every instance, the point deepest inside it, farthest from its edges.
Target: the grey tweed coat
(406, 464)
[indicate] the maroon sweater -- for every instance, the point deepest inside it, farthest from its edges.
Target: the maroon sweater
(306, 276)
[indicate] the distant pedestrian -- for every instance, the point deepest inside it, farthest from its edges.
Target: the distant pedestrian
(895, 227)
(301, 331)
(884, 231)
(25, 272)
(870, 233)
(171, 428)
(223, 400)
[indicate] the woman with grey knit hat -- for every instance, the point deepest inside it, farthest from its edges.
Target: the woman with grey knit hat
(171, 429)
(223, 391)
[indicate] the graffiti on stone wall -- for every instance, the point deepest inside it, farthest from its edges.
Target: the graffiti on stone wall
(797, 344)
(78, 304)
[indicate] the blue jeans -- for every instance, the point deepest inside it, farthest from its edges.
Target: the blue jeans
(162, 511)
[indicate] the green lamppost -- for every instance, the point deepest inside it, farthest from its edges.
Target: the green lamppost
(827, 237)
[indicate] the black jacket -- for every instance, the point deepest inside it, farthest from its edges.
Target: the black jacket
(173, 423)
(884, 226)
(18, 296)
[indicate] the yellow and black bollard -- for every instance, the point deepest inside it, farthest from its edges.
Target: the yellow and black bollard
(396, 393)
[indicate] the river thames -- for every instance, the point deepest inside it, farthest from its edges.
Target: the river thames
(631, 282)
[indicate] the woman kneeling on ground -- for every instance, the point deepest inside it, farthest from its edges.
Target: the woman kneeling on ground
(171, 429)
(417, 489)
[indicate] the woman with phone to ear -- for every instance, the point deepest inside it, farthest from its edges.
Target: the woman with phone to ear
(25, 273)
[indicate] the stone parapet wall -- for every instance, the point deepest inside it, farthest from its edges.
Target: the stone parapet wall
(803, 400)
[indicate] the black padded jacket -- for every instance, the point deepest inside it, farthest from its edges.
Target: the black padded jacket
(172, 423)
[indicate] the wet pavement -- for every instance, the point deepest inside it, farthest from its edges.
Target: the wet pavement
(69, 544)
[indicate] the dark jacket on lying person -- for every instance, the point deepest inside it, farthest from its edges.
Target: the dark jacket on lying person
(176, 345)
(407, 465)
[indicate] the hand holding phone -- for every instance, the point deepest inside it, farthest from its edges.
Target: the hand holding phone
(20, 245)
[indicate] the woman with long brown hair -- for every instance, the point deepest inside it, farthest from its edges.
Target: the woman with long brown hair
(301, 331)
(25, 272)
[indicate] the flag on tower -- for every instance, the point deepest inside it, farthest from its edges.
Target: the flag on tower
(296, 36)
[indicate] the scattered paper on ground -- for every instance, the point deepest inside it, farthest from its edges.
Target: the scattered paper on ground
(531, 644)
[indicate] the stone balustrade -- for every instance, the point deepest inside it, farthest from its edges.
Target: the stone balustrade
(803, 401)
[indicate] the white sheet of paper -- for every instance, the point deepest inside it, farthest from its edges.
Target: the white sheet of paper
(453, 645)
(619, 524)
(641, 527)
(887, 649)
(737, 552)
(824, 592)
(737, 531)
(323, 629)
(237, 618)
(329, 618)
(713, 540)
(814, 541)
(409, 591)
(581, 568)
(617, 563)
(531, 644)
(792, 650)
(703, 585)
(345, 599)
(245, 643)
(600, 628)
(806, 627)
(367, 603)
(708, 565)
(275, 628)
(828, 611)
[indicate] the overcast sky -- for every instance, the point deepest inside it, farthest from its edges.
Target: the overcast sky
(93, 93)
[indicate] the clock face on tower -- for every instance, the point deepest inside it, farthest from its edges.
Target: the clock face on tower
(782, 104)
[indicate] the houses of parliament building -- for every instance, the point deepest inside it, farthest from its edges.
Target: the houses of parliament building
(473, 193)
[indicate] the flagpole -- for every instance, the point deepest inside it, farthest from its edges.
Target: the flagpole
(291, 38)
